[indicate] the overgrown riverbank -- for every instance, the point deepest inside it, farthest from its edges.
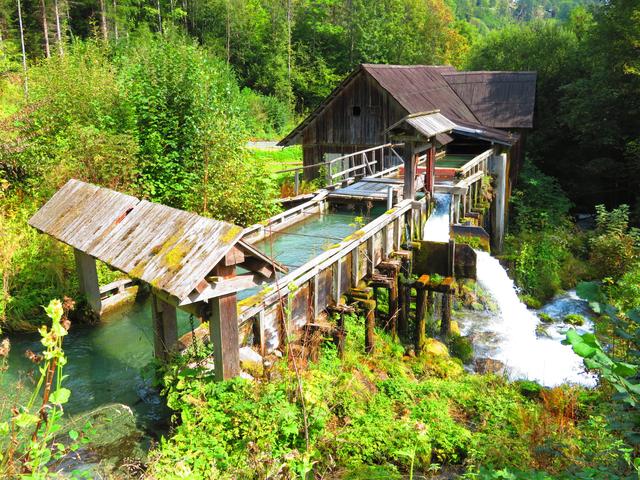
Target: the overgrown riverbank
(381, 416)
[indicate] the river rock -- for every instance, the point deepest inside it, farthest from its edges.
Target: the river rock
(114, 439)
(488, 365)
(251, 361)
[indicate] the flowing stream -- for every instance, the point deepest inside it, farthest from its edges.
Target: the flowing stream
(512, 335)
(436, 228)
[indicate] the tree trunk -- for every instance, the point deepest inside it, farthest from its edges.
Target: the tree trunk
(289, 19)
(159, 16)
(24, 52)
(45, 29)
(58, 29)
(228, 31)
(115, 20)
(103, 21)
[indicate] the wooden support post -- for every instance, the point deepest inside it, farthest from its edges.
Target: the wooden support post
(259, 333)
(402, 324)
(371, 256)
(339, 336)
(421, 312)
(355, 266)
(397, 234)
(296, 188)
(223, 334)
(369, 337)
(337, 281)
(431, 329)
(409, 157)
(88, 279)
(389, 198)
(393, 309)
(165, 328)
(316, 289)
(445, 325)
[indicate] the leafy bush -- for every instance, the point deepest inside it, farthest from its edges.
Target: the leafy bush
(614, 246)
(462, 348)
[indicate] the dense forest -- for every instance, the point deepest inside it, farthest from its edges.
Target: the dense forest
(159, 100)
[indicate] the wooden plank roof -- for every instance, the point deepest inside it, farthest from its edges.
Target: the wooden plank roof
(171, 249)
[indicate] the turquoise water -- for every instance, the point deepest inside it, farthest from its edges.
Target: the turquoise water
(105, 364)
(106, 361)
(312, 237)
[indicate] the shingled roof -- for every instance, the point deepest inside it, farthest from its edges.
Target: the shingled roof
(170, 249)
(473, 99)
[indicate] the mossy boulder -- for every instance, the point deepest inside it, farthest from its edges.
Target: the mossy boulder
(455, 329)
(477, 306)
(545, 318)
(462, 348)
(436, 348)
(530, 301)
(573, 319)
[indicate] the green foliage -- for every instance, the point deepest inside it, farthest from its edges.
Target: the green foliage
(369, 414)
(31, 433)
(546, 318)
(574, 319)
(462, 348)
(543, 245)
(614, 246)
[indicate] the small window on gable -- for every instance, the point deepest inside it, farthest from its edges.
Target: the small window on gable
(356, 111)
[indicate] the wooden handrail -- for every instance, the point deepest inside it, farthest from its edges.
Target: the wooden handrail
(329, 162)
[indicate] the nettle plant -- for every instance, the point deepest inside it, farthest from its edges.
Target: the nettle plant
(30, 443)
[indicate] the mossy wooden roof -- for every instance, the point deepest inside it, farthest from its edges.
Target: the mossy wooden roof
(170, 249)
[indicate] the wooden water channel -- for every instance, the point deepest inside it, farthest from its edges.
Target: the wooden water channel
(191, 262)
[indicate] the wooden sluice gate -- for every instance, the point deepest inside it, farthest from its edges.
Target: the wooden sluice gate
(195, 263)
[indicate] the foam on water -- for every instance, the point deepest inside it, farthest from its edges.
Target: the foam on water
(527, 356)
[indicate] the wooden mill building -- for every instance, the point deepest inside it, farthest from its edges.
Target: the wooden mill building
(488, 108)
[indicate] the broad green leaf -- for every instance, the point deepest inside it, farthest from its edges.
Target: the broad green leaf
(60, 396)
(4, 428)
(589, 291)
(583, 350)
(26, 419)
(625, 369)
(73, 435)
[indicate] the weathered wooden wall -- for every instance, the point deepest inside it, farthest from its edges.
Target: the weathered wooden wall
(337, 130)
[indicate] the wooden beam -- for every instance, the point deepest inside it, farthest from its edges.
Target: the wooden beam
(88, 279)
(258, 266)
(233, 257)
(165, 328)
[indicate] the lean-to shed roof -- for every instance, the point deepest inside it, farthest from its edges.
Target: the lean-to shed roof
(497, 99)
(428, 124)
(170, 249)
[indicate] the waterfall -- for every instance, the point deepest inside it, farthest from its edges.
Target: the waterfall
(526, 356)
(436, 229)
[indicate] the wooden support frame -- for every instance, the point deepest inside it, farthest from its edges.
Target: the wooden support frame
(165, 328)
(88, 279)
